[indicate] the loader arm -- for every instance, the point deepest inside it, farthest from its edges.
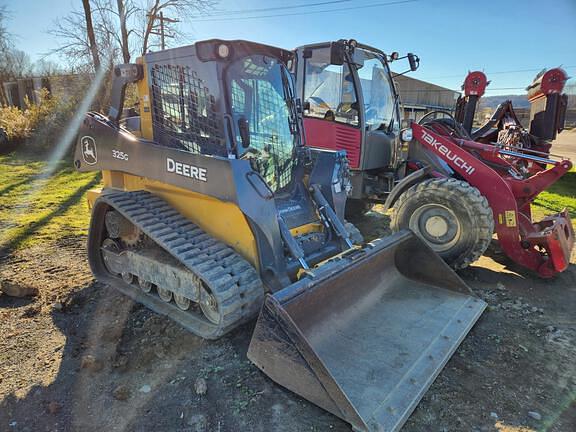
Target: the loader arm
(544, 246)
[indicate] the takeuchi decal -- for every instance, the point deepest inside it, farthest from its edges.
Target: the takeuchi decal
(447, 153)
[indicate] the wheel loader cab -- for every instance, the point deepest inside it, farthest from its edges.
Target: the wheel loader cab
(350, 103)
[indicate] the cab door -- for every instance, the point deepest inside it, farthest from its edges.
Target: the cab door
(331, 110)
(381, 124)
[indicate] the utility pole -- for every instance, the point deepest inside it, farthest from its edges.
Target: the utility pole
(160, 29)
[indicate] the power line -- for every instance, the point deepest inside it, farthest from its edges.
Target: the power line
(458, 91)
(505, 88)
(502, 72)
(229, 12)
(309, 12)
(527, 70)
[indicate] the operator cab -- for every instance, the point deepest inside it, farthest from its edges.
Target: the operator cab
(264, 117)
(350, 103)
(349, 100)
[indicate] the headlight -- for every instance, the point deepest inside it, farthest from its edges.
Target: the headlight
(223, 51)
(406, 135)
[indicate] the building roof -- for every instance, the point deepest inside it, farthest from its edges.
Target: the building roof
(418, 94)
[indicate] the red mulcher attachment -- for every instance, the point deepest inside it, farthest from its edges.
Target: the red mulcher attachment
(547, 103)
(544, 246)
(547, 114)
(474, 87)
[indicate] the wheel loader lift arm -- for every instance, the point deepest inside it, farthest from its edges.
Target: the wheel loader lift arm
(544, 246)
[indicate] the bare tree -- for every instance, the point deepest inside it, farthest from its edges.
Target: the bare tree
(45, 68)
(181, 9)
(5, 47)
(119, 29)
(123, 31)
(14, 64)
(75, 44)
(5, 39)
(18, 64)
(90, 33)
(116, 19)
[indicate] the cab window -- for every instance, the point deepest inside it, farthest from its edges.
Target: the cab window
(377, 92)
(329, 91)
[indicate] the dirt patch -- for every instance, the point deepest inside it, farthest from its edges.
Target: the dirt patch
(80, 356)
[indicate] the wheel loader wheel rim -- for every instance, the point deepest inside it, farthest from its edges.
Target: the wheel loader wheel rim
(438, 225)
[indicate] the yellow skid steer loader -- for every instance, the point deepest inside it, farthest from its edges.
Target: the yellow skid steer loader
(212, 211)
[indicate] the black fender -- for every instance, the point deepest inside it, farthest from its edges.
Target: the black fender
(406, 183)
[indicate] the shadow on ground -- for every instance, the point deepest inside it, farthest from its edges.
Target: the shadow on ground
(34, 227)
(92, 360)
(116, 366)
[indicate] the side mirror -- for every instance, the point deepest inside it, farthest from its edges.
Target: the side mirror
(414, 61)
(306, 106)
(337, 50)
(244, 129)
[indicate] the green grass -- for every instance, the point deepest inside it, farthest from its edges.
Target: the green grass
(560, 195)
(35, 210)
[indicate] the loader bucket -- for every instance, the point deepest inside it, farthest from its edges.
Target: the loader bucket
(366, 337)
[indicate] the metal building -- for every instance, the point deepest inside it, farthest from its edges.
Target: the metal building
(420, 97)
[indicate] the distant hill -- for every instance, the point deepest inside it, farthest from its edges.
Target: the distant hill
(518, 101)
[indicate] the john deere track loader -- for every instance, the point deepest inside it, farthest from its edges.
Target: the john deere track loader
(212, 210)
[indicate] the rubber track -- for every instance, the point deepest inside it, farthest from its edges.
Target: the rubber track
(232, 280)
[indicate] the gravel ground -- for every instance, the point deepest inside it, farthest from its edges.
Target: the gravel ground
(81, 357)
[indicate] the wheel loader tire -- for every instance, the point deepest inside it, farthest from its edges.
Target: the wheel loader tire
(356, 208)
(450, 215)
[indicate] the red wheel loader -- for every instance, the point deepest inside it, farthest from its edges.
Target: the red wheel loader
(212, 211)
(452, 191)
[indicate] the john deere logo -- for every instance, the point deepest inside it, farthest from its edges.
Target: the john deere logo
(89, 150)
